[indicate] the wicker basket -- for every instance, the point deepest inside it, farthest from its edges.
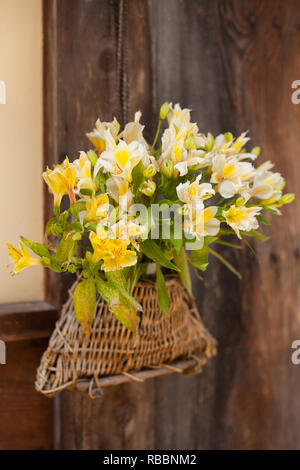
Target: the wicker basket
(114, 355)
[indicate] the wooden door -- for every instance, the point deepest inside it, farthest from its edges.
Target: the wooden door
(233, 63)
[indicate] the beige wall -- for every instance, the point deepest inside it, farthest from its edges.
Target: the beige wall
(21, 141)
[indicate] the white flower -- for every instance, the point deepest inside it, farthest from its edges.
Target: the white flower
(174, 149)
(194, 193)
(242, 218)
(230, 174)
(266, 184)
(84, 172)
(133, 131)
(120, 159)
(118, 189)
(104, 132)
(202, 223)
(178, 116)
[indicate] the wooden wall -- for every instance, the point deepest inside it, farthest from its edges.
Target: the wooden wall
(232, 62)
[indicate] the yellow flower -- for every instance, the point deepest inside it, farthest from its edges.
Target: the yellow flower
(61, 181)
(113, 252)
(22, 258)
(97, 207)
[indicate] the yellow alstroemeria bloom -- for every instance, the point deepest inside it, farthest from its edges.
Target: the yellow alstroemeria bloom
(61, 181)
(128, 230)
(242, 218)
(22, 258)
(97, 207)
(113, 252)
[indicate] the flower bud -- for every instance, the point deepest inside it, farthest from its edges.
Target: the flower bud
(149, 171)
(164, 110)
(256, 151)
(210, 142)
(189, 142)
(167, 168)
(92, 156)
(148, 188)
(228, 136)
(287, 198)
(240, 201)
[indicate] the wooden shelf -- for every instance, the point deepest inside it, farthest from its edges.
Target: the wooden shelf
(26, 320)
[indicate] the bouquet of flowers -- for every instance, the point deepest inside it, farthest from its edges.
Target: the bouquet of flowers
(133, 206)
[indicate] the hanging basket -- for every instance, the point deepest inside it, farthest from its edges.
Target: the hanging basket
(113, 354)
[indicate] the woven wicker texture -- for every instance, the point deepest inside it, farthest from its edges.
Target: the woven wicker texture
(112, 349)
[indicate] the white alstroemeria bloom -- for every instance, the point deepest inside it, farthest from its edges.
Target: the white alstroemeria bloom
(178, 115)
(242, 218)
(174, 149)
(230, 174)
(266, 184)
(100, 134)
(84, 172)
(133, 131)
(265, 166)
(118, 189)
(201, 223)
(194, 193)
(120, 159)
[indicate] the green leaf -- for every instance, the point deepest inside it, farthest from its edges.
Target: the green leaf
(120, 307)
(231, 245)
(263, 220)
(126, 316)
(225, 262)
(180, 259)
(162, 291)
(37, 248)
(176, 242)
(117, 277)
(153, 252)
(66, 249)
(84, 304)
(199, 258)
(79, 206)
(86, 192)
(136, 272)
(253, 233)
(270, 209)
(137, 176)
(124, 292)
(109, 293)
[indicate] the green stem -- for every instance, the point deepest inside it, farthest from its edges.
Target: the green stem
(156, 135)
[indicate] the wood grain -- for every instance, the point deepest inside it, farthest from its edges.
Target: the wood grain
(26, 320)
(233, 62)
(26, 417)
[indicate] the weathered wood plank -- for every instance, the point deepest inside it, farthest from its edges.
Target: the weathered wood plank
(26, 417)
(233, 63)
(26, 320)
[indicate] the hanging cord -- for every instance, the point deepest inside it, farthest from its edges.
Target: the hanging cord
(120, 16)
